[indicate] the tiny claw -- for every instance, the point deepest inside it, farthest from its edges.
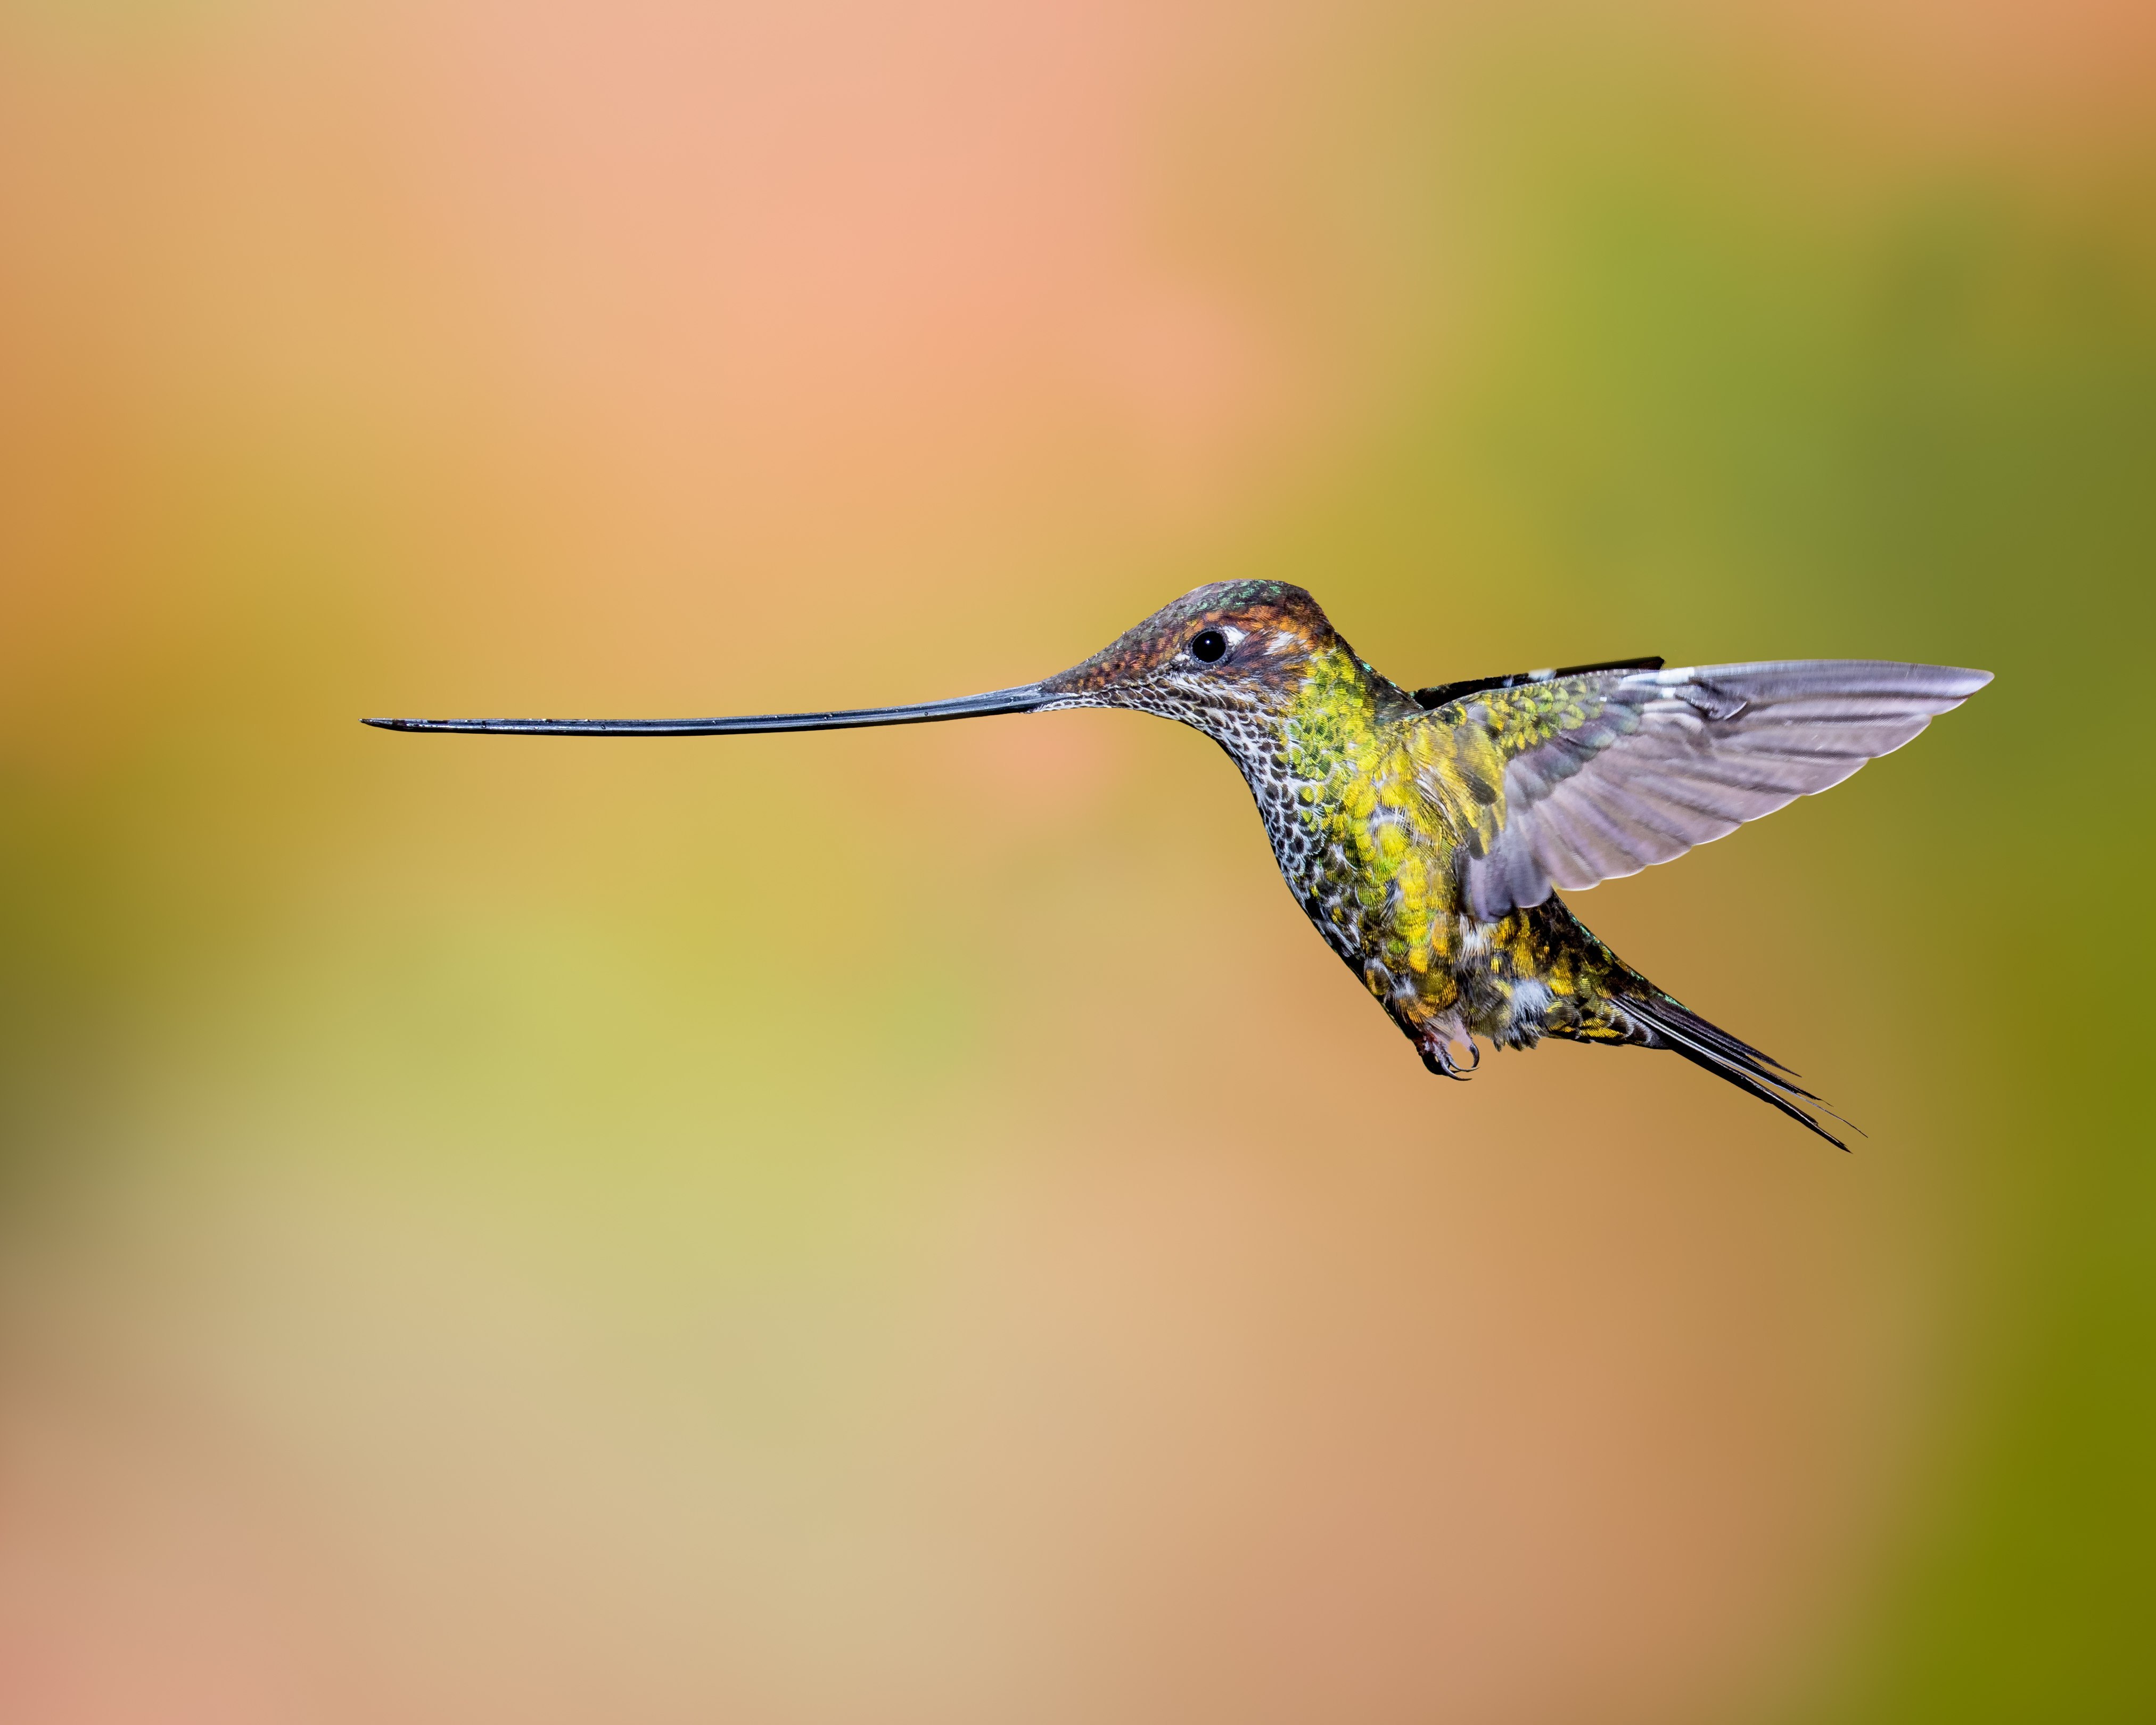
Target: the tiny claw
(1437, 1057)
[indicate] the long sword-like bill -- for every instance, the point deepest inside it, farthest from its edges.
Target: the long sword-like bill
(1025, 699)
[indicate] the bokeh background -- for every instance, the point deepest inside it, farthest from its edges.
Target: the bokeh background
(910, 1226)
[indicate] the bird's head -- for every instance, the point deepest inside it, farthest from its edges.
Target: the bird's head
(1222, 654)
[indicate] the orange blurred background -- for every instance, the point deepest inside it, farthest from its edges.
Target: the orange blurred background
(910, 1226)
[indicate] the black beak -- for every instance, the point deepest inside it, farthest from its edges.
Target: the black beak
(1024, 699)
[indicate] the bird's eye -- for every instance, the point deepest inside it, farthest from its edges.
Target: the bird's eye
(1208, 645)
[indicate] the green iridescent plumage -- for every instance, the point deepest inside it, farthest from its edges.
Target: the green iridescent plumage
(1425, 834)
(1424, 837)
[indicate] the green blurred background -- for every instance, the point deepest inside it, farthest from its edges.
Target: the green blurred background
(910, 1226)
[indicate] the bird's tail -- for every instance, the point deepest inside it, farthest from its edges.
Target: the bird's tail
(1604, 1000)
(1671, 1025)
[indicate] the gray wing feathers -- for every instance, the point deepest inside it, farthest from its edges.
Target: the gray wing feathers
(1677, 758)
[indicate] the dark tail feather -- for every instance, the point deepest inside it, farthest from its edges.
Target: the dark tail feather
(1713, 1050)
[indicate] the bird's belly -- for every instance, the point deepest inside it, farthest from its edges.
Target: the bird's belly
(1439, 973)
(1382, 894)
(1385, 927)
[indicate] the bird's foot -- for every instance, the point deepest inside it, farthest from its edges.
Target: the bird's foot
(1436, 1045)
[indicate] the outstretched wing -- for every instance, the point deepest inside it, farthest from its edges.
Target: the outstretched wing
(1573, 780)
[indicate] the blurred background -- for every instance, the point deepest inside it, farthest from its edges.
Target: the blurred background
(911, 1225)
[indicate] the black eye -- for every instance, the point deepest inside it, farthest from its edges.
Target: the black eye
(1208, 644)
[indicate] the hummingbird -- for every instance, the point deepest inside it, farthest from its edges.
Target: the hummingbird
(1426, 833)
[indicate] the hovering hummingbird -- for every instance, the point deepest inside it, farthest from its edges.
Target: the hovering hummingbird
(1425, 832)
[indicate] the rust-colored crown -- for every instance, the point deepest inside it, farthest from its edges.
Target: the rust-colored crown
(1275, 607)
